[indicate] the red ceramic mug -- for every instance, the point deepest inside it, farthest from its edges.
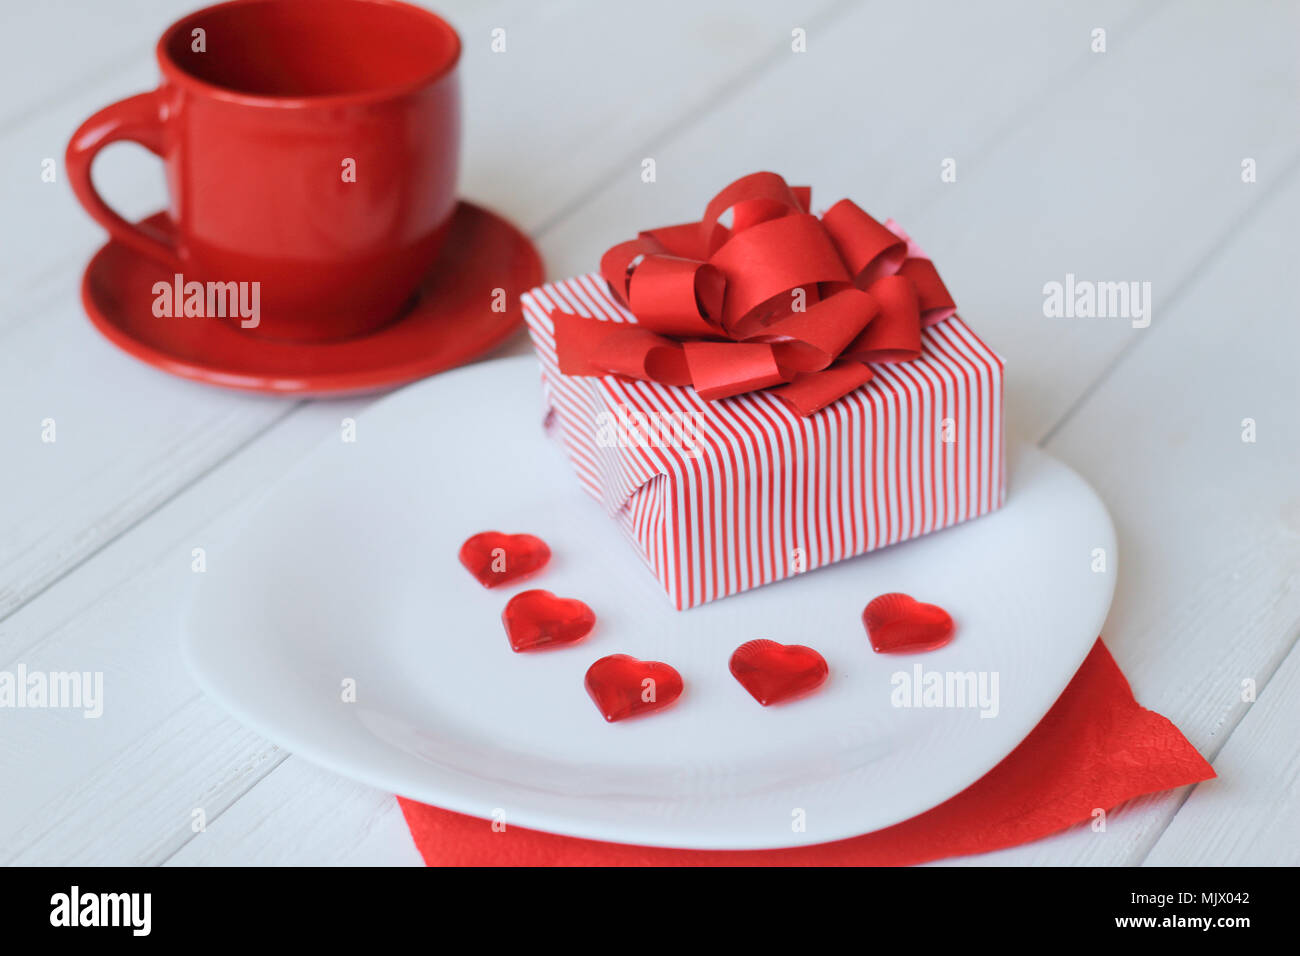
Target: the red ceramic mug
(310, 147)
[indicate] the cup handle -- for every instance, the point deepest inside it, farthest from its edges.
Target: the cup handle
(140, 119)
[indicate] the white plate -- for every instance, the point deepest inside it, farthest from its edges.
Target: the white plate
(348, 572)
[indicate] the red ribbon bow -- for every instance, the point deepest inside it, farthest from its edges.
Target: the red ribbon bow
(781, 298)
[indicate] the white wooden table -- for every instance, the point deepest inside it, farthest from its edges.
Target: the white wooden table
(1119, 165)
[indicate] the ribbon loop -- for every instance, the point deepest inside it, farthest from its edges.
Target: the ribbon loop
(895, 335)
(755, 198)
(811, 340)
(779, 297)
(677, 297)
(772, 259)
(640, 353)
(869, 249)
(936, 304)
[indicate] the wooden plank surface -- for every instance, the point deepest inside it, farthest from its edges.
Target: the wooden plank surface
(1250, 815)
(1208, 589)
(1114, 166)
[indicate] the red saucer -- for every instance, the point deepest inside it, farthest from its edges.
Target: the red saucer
(450, 322)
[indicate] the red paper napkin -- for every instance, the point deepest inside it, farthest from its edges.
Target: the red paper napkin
(1097, 747)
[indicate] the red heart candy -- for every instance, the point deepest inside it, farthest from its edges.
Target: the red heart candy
(495, 558)
(623, 686)
(538, 618)
(896, 623)
(774, 672)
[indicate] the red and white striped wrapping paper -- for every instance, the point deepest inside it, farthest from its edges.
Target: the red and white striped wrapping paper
(767, 494)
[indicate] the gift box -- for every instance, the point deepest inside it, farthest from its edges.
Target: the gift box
(757, 398)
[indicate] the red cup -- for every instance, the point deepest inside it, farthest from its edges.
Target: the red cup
(310, 147)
